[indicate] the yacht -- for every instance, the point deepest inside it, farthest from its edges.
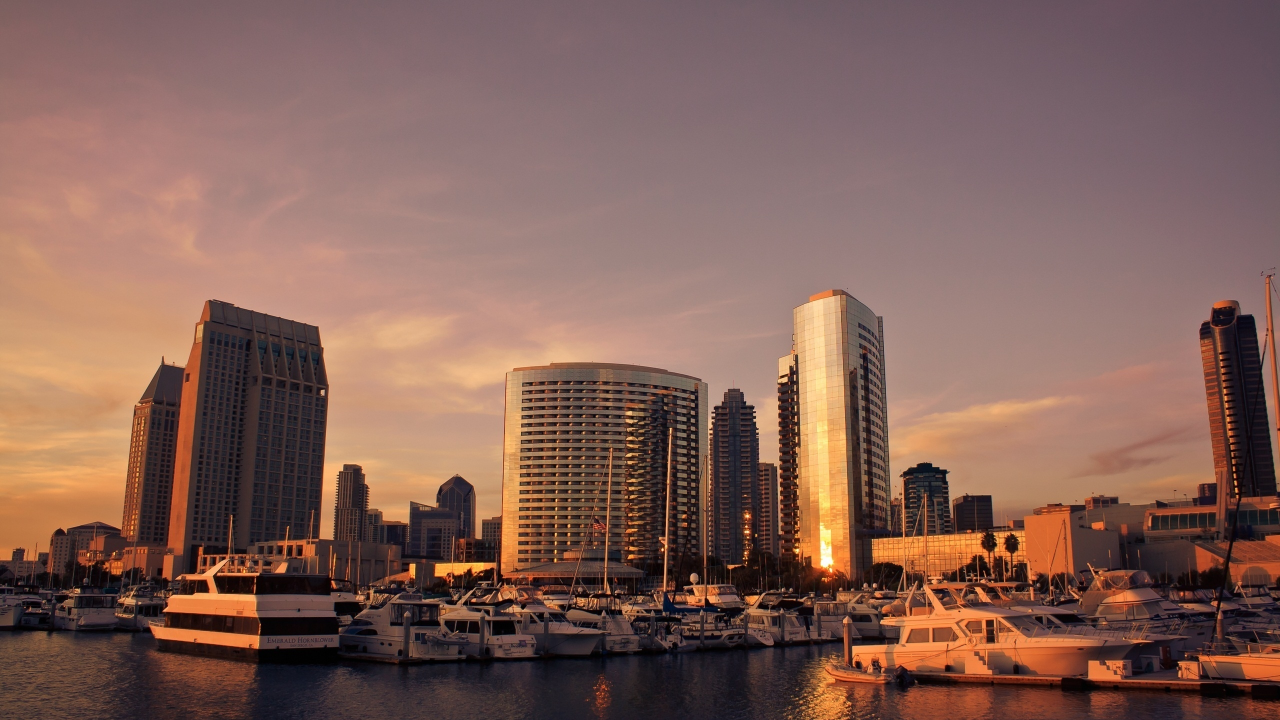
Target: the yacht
(489, 637)
(719, 597)
(140, 606)
(275, 616)
(1124, 600)
(555, 634)
(403, 628)
(954, 632)
(346, 605)
(1257, 599)
(823, 618)
(85, 609)
(772, 620)
(619, 635)
(1257, 663)
(702, 630)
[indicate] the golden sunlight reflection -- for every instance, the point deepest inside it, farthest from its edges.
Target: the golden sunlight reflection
(600, 698)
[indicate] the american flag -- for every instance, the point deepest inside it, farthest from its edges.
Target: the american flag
(597, 525)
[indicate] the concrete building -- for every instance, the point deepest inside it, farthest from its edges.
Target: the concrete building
(152, 445)
(491, 532)
(788, 455)
(972, 513)
(394, 532)
(251, 433)
(458, 496)
(1238, 426)
(432, 532)
(1062, 539)
(769, 528)
(562, 420)
(59, 562)
(733, 498)
(926, 484)
(351, 509)
(843, 444)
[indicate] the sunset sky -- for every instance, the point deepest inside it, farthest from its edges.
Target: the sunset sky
(1042, 200)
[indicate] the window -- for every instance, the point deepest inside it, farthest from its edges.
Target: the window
(918, 635)
(944, 634)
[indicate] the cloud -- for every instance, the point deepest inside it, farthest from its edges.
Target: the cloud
(984, 423)
(1125, 458)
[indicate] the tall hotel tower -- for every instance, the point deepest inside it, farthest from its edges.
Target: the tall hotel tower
(562, 420)
(1237, 404)
(834, 428)
(251, 434)
(351, 510)
(733, 499)
(149, 483)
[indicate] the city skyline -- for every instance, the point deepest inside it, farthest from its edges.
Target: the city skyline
(1040, 250)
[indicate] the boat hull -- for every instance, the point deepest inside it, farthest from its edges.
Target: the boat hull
(11, 617)
(1058, 659)
(248, 648)
(85, 623)
(1258, 667)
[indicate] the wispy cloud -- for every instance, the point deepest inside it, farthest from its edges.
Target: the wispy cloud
(994, 423)
(1126, 458)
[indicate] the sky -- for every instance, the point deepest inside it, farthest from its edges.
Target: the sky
(1042, 201)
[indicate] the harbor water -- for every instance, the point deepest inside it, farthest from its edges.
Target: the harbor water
(117, 675)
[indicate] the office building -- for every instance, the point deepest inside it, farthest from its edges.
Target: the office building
(843, 443)
(733, 498)
(18, 555)
(767, 522)
(432, 532)
(394, 532)
(972, 513)
(491, 532)
(59, 562)
(457, 495)
(373, 527)
(788, 455)
(251, 434)
(561, 422)
(954, 556)
(351, 511)
(1238, 426)
(153, 442)
(923, 484)
(1100, 501)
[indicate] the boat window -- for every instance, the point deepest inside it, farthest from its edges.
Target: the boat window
(366, 631)
(235, 584)
(944, 634)
(358, 622)
(862, 619)
(300, 625)
(1023, 625)
(918, 635)
(503, 627)
(974, 627)
(473, 627)
(191, 587)
(1116, 611)
(292, 585)
(1137, 612)
(1069, 618)
(347, 608)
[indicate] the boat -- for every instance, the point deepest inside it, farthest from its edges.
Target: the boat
(554, 633)
(719, 597)
(619, 635)
(1125, 600)
(1254, 663)
(251, 616)
(823, 618)
(401, 628)
(870, 673)
(955, 632)
(140, 606)
(85, 610)
(772, 620)
(346, 605)
(489, 637)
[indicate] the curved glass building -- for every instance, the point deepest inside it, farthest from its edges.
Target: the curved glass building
(562, 420)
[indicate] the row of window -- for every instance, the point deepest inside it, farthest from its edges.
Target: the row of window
(267, 626)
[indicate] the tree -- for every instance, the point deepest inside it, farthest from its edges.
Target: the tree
(1011, 547)
(886, 574)
(989, 544)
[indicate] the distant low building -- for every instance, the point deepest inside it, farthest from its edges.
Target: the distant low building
(972, 513)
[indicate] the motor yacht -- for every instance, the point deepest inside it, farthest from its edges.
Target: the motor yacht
(719, 597)
(554, 633)
(1124, 600)
(140, 606)
(258, 617)
(954, 632)
(1257, 599)
(823, 618)
(489, 637)
(403, 628)
(1255, 663)
(772, 620)
(554, 596)
(619, 635)
(85, 609)
(346, 605)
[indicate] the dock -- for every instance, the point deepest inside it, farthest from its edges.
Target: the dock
(1162, 681)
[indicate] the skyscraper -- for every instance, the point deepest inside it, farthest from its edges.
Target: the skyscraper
(923, 484)
(972, 513)
(767, 522)
(1238, 424)
(149, 483)
(733, 497)
(432, 532)
(458, 496)
(843, 443)
(788, 455)
(251, 434)
(351, 511)
(561, 421)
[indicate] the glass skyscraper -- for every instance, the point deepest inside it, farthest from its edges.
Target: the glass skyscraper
(149, 484)
(843, 433)
(733, 499)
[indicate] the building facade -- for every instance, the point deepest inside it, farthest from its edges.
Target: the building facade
(733, 493)
(1238, 426)
(767, 488)
(562, 421)
(843, 452)
(788, 455)
(351, 510)
(924, 485)
(457, 495)
(251, 433)
(952, 555)
(972, 513)
(152, 445)
(491, 532)
(432, 532)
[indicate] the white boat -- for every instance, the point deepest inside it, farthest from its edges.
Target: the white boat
(772, 620)
(1257, 663)
(710, 631)
(824, 619)
(720, 597)
(1124, 600)
(256, 617)
(138, 608)
(872, 673)
(85, 609)
(619, 635)
(955, 633)
(554, 633)
(400, 629)
(489, 637)
(346, 605)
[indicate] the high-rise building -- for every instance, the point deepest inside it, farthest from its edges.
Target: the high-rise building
(395, 532)
(843, 438)
(251, 434)
(1238, 424)
(374, 531)
(895, 516)
(60, 554)
(767, 522)
(149, 483)
(491, 530)
(972, 513)
(457, 495)
(788, 455)
(923, 484)
(18, 555)
(432, 532)
(561, 422)
(350, 512)
(733, 497)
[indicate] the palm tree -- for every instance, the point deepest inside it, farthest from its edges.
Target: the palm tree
(989, 544)
(1011, 547)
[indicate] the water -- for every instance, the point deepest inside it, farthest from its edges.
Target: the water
(52, 675)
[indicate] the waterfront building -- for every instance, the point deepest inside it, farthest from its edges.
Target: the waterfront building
(474, 550)
(788, 455)
(733, 497)
(1100, 501)
(945, 555)
(351, 511)
(457, 495)
(394, 532)
(1238, 426)
(927, 483)
(491, 532)
(843, 443)
(59, 562)
(562, 420)
(432, 532)
(251, 433)
(152, 445)
(972, 513)
(767, 487)
(18, 554)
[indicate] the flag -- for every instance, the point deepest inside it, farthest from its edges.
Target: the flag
(597, 525)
